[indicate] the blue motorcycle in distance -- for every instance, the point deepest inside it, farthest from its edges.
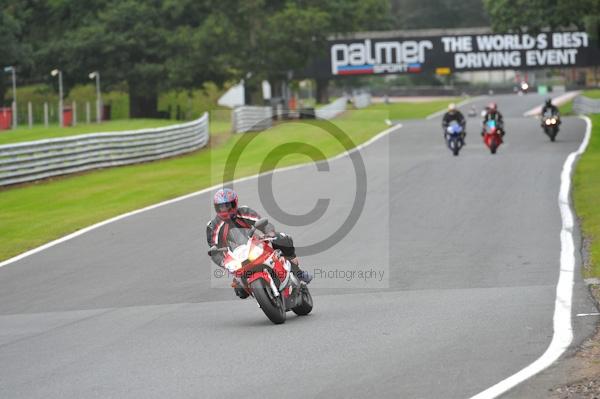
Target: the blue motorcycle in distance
(454, 137)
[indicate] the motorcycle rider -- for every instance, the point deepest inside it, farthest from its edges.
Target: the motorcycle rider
(230, 216)
(453, 114)
(551, 109)
(492, 114)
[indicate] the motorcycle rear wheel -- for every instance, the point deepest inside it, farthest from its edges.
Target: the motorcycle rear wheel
(271, 305)
(307, 303)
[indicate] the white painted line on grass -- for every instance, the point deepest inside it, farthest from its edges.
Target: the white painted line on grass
(563, 331)
(558, 101)
(587, 314)
(184, 197)
(460, 104)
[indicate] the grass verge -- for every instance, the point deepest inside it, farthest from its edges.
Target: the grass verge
(567, 108)
(586, 197)
(399, 111)
(37, 213)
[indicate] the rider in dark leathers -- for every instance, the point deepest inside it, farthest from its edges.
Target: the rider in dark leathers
(230, 217)
(551, 109)
(492, 113)
(453, 114)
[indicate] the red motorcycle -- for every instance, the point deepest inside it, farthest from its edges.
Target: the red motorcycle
(265, 274)
(491, 136)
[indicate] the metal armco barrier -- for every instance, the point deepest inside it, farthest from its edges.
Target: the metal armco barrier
(24, 162)
(332, 109)
(248, 118)
(362, 100)
(584, 105)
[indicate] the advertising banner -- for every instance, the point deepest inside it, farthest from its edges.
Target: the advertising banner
(459, 53)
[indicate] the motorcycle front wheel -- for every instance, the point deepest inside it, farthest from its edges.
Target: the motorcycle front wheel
(270, 304)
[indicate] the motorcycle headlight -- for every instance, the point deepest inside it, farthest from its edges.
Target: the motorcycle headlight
(553, 120)
(255, 252)
(548, 121)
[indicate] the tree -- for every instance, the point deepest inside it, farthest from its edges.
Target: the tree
(14, 51)
(431, 14)
(151, 45)
(276, 39)
(125, 40)
(157, 45)
(534, 15)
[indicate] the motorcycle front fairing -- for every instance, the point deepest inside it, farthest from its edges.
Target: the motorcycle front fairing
(254, 259)
(491, 133)
(550, 120)
(454, 128)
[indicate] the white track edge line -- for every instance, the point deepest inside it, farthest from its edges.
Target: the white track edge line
(186, 196)
(558, 101)
(563, 331)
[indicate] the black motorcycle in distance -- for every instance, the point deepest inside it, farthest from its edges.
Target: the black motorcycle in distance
(550, 123)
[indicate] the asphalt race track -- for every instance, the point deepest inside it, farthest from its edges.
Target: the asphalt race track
(468, 248)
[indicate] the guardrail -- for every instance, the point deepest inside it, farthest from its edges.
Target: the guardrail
(24, 162)
(248, 118)
(585, 105)
(332, 109)
(361, 100)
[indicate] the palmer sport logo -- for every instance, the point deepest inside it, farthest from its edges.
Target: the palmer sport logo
(365, 58)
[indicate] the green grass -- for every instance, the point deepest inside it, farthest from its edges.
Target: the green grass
(37, 213)
(567, 108)
(398, 111)
(586, 197)
(592, 93)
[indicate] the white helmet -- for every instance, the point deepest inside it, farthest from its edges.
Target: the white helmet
(451, 107)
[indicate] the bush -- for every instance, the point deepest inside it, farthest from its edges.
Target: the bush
(181, 105)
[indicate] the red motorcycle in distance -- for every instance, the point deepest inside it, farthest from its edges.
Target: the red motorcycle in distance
(265, 274)
(491, 136)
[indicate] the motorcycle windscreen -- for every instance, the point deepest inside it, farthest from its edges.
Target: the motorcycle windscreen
(454, 128)
(491, 124)
(236, 237)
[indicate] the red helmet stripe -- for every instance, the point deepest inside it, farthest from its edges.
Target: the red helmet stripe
(241, 222)
(249, 216)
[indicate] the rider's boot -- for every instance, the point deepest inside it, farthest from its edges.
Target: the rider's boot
(239, 291)
(301, 274)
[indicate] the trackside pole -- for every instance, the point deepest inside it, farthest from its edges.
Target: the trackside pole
(74, 113)
(46, 114)
(30, 114)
